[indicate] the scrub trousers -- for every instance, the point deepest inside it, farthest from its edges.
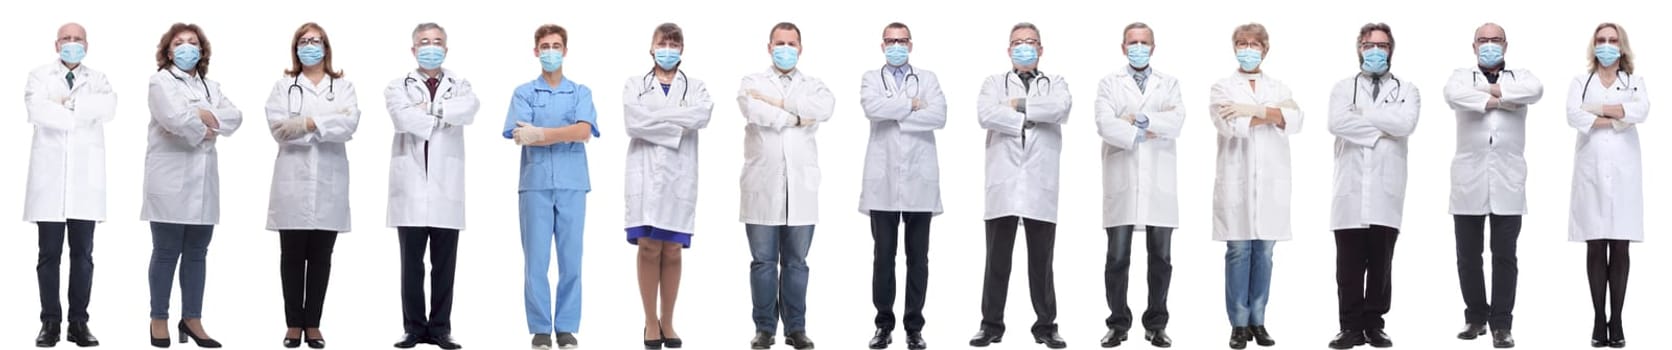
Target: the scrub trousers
(552, 217)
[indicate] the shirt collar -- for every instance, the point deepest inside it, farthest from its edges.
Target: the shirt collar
(540, 84)
(901, 70)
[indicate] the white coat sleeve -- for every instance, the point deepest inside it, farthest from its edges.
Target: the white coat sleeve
(759, 112)
(878, 106)
(1637, 110)
(1400, 118)
(460, 110)
(811, 100)
(1522, 88)
(1110, 127)
(931, 114)
(95, 101)
(1577, 117)
(1292, 115)
(994, 111)
(1054, 106)
(338, 125)
(407, 114)
(1347, 121)
(225, 113)
(1166, 119)
(44, 110)
(176, 118)
(645, 124)
(1462, 95)
(1236, 127)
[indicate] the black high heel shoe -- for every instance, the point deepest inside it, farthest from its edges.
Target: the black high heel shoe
(292, 343)
(186, 333)
(671, 343)
(158, 342)
(652, 344)
(312, 342)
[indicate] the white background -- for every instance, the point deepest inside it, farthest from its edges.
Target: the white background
(1311, 49)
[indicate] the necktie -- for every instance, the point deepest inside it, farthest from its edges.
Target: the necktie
(1027, 81)
(70, 78)
(431, 84)
(899, 77)
(1375, 88)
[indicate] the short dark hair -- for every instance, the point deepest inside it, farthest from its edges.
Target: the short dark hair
(165, 55)
(550, 29)
(784, 26)
(1364, 32)
(670, 31)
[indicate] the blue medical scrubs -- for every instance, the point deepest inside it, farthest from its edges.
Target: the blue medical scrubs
(551, 199)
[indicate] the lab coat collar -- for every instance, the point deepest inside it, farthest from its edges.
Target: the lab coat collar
(795, 74)
(419, 75)
(180, 74)
(540, 84)
(325, 84)
(1125, 75)
(1384, 78)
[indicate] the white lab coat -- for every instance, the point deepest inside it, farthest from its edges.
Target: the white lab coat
(1140, 177)
(902, 167)
(661, 178)
(1251, 185)
(67, 159)
(1372, 142)
(780, 182)
(426, 159)
(1607, 197)
(1489, 173)
(1023, 164)
(182, 172)
(310, 173)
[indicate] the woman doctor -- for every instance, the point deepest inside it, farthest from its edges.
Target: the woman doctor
(312, 112)
(182, 177)
(663, 111)
(1255, 115)
(1606, 208)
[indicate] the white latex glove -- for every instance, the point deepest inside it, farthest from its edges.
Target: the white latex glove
(1592, 108)
(1619, 124)
(290, 129)
(528, 134)
(1247, 110)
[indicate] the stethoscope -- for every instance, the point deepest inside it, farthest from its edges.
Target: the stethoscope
(1476, 78)
(446, 95)
(183, 82)
(1396, 85)
(650, 85)
(1587, 88)
(911, 74)
(1039, 79)
(295, 85)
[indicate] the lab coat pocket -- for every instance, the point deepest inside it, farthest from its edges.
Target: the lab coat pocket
(1393, 176)
(1166, 173)
(165, 174)
(451, 177)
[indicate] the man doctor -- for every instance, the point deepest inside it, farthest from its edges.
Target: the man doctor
(1139, 115)
(69, 104)
(1372, 115)
(430, 107)
(902, 178)
(1489, 179)
(1023, 111)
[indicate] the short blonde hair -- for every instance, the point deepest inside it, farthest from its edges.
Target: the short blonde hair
(1254, 30)
(1625, 48)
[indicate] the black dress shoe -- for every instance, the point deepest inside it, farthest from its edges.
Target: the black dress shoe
(1347, 339)
(1472, 331)
(1051, 340)
(445, 342)
(81, 336)
(48, 337)
(671, 343)
(1501, 339)
(1377, 338)
(881, 338)
(1617, 343)
(408, 341)
(983, 338)
(914, 341)
(1596, 343)
(1112, 338)
(1239, 337)
(1260, 336)
(1158, 338)
(798, 340)
(762, 341)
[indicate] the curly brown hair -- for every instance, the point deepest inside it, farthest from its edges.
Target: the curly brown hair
(165, 48)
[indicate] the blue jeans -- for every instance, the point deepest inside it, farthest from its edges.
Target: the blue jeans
(776, 294)
(187, 246)
(1247, 281)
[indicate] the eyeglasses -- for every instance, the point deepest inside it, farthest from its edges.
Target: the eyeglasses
(1029, 41)
(1490, 40)
(1601, 41)
(1375, 45)
(309, 41)
(893, 41)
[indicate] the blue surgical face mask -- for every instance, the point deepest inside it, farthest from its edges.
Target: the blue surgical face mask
(310, 55)
(1024, 55)
(551, 60)
(1375, 61)
(1607, 54)
(1249, 58)
(72, 53)
(667, 58)
(431, 56)
(186, 56)
(1491, 55)
(1138, 55)
(785, 57)
(897, 54)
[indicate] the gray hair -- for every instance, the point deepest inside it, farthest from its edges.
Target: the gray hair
(427, 26)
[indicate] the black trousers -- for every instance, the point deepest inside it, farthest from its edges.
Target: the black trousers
(1158, 243)
(1001, 243)
(444, 252)
(81, 268)
(1471, 242)
(1364, 275)
(305, 272)
(885, 230)
(1608, 263)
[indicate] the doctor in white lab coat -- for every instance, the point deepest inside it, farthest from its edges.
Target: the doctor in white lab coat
(902, 178)
(429, 107)
(1140, 113)
(1255, 115)
(1489, 178)
(663, 109)
(1606, 105)
(1372, 115)
(1023, 111)
(780, 184)
(312, 113)
(182, 177)
(69, 104)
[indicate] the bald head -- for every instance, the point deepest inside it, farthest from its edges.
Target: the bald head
(1489, 30)
(70, 33)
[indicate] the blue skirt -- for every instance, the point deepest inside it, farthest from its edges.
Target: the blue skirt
(634, 233)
